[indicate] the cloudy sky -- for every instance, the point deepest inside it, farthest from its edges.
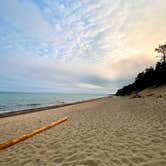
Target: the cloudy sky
(77, 46)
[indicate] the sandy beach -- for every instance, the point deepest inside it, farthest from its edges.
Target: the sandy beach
(111, 131)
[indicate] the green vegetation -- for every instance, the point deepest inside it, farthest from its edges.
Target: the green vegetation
(149, 77)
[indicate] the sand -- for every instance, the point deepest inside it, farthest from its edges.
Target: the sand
(106, 132)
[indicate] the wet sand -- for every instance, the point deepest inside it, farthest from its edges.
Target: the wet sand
(111, 131)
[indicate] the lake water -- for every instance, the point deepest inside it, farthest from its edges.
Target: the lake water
(15, 101)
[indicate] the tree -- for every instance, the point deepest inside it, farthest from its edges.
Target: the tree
(149, 77)
(162, 50)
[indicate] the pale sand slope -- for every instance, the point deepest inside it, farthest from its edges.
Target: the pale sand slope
(159, 92)
(156, 92)
(110, 131)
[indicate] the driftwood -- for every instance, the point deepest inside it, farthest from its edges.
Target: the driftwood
(30, 134)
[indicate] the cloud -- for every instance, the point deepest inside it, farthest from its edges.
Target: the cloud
(125, 67)
(89, 86)
(27, 17)
(150, 28)
(78, 45)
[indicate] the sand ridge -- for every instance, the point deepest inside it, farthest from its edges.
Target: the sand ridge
(107, 132)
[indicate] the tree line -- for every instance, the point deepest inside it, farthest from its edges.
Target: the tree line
(152, 76)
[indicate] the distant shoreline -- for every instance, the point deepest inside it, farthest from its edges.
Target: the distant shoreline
(31, 110)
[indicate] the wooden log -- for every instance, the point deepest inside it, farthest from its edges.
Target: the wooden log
(30, 134)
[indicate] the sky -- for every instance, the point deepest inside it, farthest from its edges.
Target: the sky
(71, 46)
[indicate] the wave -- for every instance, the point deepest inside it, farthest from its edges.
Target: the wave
(33, 104)
(2, 106)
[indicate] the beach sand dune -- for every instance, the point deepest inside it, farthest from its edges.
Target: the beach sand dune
(111, 131)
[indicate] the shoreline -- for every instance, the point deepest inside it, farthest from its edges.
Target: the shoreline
(31, 110)
(97, 132)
